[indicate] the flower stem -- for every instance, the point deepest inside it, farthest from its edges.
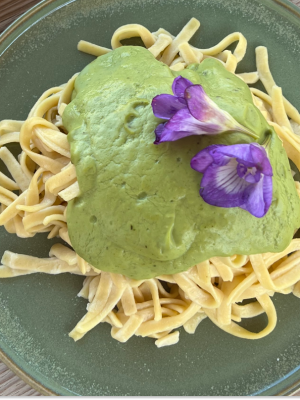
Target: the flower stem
(250, 133)
(267, 141)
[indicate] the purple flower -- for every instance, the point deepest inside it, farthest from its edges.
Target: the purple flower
(191, 112)
(236, 176)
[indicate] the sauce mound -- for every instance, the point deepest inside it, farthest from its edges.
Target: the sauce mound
(139, 212)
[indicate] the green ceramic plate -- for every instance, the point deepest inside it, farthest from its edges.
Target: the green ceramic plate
(38, 311)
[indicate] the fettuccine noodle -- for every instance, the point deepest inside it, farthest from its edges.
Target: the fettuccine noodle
(46, 180)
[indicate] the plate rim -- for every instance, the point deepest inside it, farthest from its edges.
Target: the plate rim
(22, 374)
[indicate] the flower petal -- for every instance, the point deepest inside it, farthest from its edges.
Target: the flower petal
(253, 177)
(202, 160)
(222, 187)
(165, 105)
(258, 197)
(179, 86)
(268, 191)
(242, 152)
(183, 121)
(219, 158)
(260, 157)
(200, 105)
(253, 155)
(241, 170)
(159, 132)
(254, 199)
(163, 134)
(204, 109)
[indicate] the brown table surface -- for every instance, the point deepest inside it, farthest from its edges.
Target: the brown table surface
(10, 384)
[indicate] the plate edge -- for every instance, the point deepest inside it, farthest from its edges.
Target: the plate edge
(24, 17)
(289, 391)
(289, 6)
(25, 377)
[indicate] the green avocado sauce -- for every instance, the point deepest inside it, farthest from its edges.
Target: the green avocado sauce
(139, 211)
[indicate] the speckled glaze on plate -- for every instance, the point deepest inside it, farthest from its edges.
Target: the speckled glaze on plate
(38, 311)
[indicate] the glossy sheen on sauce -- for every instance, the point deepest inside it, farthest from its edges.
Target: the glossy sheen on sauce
(139, 212)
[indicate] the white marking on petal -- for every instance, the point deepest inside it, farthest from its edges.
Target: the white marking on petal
(232, 185)
(228, 182)
(228, 179)
(225, 172)
(238, 185)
